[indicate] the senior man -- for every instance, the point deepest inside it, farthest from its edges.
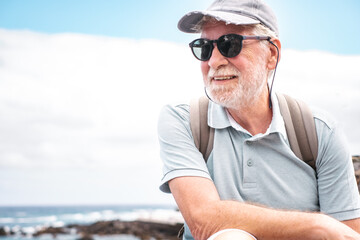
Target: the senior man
(252, 185)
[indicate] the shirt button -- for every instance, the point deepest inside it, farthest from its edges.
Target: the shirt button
(250, 163)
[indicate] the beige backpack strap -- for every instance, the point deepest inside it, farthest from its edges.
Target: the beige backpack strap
(202, 133)
(300, 128)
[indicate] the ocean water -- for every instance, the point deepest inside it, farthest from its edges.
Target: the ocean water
(25, 221)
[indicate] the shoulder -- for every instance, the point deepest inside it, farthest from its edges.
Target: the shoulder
(179, 111)
(324, 119)
(333, 146)
(327, 127)
(174, 118)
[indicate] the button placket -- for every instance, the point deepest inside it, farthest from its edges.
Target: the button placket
(249, 178)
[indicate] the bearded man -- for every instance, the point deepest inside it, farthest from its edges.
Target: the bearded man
(252, 186)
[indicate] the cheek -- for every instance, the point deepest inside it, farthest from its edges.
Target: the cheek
(242, 61)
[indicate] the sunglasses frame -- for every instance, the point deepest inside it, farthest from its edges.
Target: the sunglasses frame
(210, 43)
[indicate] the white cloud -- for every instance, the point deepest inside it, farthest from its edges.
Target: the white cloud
(71, 101)
(74, 93)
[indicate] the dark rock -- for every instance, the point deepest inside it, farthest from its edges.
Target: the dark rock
(2, 231)
(356, 162)
(143, 230)
(86, 237)
(51, 230)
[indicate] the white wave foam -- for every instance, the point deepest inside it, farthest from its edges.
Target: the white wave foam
(42, 219)
(28, 230)
(58, 224)
(76, 217)
(16, 229)
(7, 220)
(157, 215)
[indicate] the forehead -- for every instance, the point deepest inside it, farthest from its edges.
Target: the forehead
(216, 29)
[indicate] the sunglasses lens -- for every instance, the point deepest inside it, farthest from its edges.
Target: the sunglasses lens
(230, 45)
(201, 49)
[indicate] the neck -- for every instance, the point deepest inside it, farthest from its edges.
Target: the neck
(255, 118)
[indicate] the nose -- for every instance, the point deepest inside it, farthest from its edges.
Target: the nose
(217, 59)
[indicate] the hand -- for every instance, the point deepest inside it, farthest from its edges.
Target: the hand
(334, 230)
(232, 234)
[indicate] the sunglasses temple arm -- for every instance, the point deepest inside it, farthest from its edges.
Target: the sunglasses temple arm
(257, 37)
(277, 61)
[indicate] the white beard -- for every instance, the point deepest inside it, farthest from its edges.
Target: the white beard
(241, 94)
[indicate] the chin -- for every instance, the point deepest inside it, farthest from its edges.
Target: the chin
(225, 99)
(234, 98)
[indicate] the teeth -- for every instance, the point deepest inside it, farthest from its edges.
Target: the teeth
(223, 78)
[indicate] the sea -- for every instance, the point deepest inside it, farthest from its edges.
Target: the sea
(24, 221)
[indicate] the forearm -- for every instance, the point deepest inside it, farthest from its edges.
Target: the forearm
(353, 223)
(264, 223)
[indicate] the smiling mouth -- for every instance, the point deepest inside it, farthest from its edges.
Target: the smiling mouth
(223, 78)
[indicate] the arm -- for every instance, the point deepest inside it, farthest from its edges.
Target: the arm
(353, 223)
(206, 214)
(337, 186)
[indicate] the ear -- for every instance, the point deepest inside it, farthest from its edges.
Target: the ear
(274, 53)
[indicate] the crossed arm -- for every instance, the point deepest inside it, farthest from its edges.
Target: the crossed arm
(205, 214)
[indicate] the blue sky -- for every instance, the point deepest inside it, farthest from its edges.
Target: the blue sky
(304, 25)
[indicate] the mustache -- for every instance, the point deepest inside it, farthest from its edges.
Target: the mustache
(223, 71)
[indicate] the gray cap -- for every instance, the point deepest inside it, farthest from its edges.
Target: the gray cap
(238, 12)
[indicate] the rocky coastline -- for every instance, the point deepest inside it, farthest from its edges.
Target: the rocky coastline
(144, 230)
(141, 229)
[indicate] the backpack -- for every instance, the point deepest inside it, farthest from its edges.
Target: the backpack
(299, 124)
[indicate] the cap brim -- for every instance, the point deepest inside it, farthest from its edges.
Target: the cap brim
(188, 22)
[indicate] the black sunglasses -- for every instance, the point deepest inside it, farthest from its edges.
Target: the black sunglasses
(229, 45)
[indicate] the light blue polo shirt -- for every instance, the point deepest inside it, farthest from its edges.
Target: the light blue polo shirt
(262, 168)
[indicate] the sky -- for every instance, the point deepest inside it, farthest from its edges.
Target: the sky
(328, 25)
(82, 83)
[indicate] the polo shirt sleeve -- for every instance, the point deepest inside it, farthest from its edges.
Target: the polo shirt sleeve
(338, 191)
(177, 148)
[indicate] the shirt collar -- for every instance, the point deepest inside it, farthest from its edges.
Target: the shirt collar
(218, 118)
